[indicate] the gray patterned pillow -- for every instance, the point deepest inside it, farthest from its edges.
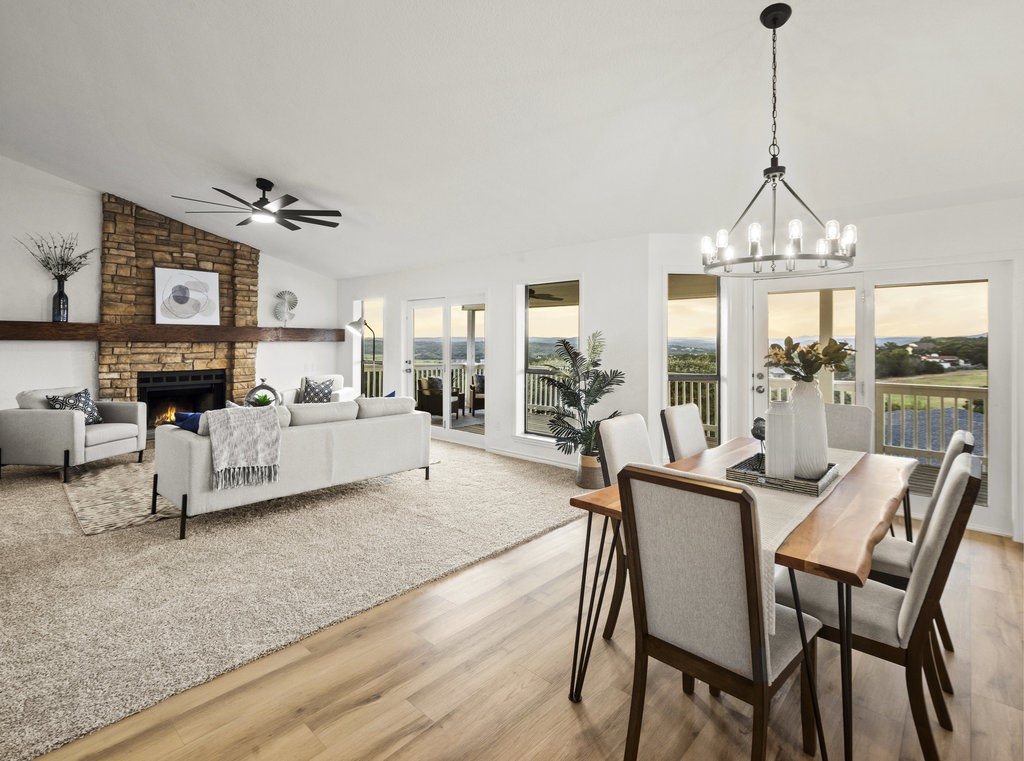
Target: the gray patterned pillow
(80, 401)
(317, 393)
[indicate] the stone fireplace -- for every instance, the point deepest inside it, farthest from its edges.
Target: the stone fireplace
(135, 240)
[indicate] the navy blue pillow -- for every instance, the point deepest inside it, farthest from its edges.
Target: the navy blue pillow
(390, 395)
(188, 420)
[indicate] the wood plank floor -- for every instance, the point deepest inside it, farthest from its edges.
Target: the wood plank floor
(476, 666)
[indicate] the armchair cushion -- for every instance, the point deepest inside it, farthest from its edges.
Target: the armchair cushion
(35, 399)
(79, 401)
(104, 433)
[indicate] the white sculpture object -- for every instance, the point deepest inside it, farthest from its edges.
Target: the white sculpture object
(284, 309)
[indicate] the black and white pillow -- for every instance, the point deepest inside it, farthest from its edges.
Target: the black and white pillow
(317, 393)
(80, 401)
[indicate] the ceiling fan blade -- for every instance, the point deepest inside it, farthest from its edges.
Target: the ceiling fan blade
(280, 203)
(310, 221)
(245, 221)
(286, 223)
(291, 213)
(240, 211)
(215, 203)
(240, 200)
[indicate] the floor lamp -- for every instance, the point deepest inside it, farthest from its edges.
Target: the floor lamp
(356, 328)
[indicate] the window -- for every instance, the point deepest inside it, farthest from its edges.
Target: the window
(552, 313)
(692, 348)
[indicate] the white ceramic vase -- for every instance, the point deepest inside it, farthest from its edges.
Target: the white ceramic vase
(779, 440)
(810, 435)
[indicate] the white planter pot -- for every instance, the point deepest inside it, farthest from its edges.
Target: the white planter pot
(810, 435)
(780, 440)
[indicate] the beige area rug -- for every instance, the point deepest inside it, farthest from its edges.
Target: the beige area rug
(95, 628)
(104, 498)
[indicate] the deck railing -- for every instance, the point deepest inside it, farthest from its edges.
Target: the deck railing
(843, 391)
(918, 420)
(373, 375)
(702, 390)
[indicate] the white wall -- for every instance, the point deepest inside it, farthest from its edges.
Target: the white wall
(35, 202)
(284, 363)
(615, 283)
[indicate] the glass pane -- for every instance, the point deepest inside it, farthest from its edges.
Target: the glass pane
(808, 317)
(693, 346)
(931, 365)
(552, 313)
(373, 350)
(467, 356)
(427, 346)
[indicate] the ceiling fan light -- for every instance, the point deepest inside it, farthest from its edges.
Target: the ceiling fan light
(264, 217)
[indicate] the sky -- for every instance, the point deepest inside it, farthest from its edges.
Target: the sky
(428, 322)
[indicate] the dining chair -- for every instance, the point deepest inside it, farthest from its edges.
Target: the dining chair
(849, 426)
(620, 439)
(684, 431)
(895, 624)
(893, 559)
(694, 559)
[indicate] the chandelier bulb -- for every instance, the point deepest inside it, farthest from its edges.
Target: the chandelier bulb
(832, 230)
(722, 239)
(796, 229)
(849, 240)
(707, 246)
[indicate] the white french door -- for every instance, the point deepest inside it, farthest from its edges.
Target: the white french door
(812, 309)
(912, 413)
(443, 365)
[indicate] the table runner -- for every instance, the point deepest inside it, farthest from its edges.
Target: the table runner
(778, 513)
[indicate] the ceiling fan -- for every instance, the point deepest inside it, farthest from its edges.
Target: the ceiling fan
(544, 296)
(265, 210)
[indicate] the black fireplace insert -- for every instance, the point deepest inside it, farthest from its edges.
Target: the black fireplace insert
(180, 391)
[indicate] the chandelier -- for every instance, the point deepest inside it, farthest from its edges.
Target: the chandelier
(762, 257)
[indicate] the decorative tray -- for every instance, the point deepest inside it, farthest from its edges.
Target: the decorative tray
(751, 471)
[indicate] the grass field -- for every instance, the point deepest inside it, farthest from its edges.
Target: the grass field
(974, 378)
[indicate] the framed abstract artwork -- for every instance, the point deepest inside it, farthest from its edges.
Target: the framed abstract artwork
(186, 297)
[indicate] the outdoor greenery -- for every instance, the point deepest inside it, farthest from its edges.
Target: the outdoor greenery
(580, 383)
(694, 364)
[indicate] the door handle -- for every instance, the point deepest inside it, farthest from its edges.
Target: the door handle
(759, 389)
(408, 369)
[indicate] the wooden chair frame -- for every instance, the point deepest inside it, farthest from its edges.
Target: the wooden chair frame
(756, 690)
(921, 654)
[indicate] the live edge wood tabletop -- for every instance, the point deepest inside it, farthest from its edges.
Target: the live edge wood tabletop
(837, 539)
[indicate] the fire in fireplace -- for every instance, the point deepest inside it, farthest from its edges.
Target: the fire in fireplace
(186, 391)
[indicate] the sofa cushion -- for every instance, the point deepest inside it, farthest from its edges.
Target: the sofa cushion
(384, 406)
(314, 392)
(284, 418)
(35, 399)
(104, 433)
(82, 401)
(331, 412)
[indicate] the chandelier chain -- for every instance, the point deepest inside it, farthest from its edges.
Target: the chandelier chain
(773, 149)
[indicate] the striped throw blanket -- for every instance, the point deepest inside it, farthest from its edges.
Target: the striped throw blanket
(246, 446)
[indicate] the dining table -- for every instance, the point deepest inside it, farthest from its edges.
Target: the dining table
(834, 540)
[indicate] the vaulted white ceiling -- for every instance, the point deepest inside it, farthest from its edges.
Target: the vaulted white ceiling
(447, 130)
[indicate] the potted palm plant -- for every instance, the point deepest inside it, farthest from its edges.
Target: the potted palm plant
(580, 384)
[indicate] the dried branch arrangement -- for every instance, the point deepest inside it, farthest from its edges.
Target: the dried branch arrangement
(56, 253)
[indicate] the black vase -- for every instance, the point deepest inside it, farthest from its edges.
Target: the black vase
(60, 302)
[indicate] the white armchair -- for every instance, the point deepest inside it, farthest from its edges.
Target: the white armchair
(35, 434)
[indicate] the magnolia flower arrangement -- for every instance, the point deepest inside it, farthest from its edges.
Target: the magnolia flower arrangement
(57, 253)
(802, 363)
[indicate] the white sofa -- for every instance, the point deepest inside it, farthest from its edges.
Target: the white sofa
(321, 445)
(36, 434)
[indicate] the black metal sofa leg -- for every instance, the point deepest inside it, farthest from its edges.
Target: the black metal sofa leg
(152, 507)
(184, 516)
(67, 461)
(141, 452)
